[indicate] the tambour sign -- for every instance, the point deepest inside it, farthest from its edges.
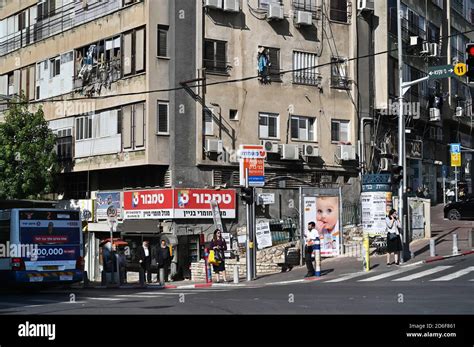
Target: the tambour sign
(148, 204)
(178, 203)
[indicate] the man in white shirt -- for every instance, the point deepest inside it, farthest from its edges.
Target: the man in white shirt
(309, 237)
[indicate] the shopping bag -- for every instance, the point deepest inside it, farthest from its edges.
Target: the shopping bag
(212, 258)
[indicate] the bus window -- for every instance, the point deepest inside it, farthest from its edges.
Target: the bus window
(4, 232)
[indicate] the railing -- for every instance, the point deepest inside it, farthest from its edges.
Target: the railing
(309, 78)
(340, 82)
(351, 214)
(307, 6)
(65, 17)
(216, 66)
(411, 29)
(104, 73)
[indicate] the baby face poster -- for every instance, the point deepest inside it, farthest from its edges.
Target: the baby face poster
(324, 212)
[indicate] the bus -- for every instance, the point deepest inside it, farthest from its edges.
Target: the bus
(41, 245)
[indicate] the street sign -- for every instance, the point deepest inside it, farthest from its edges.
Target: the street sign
(460, 69)
(442, 71)
(111, 212)
(265, 199)
(455, 147)
(456, 159)
(252, 157)
(86, 214)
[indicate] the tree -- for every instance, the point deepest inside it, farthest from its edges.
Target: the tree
(28, 162)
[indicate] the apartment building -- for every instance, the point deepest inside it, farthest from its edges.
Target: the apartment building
(151, 100)
(438, 111)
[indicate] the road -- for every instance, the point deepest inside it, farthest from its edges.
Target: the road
(444, 287)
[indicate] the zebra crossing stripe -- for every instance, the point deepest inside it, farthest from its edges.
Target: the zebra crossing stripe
(386, 274)
(456, 274)
(347, 277)
(423, 273)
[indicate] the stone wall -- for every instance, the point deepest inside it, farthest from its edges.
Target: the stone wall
(269, 260)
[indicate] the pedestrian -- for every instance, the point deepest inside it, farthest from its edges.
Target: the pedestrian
(419, 192)
(144, 258)
(219, 245)
(394, 243)
(310, 237)
(122, 266)
(164, 262)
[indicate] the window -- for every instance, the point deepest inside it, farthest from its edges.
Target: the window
(274, 70)
(133, 126)
(264, 3)
(64, 144)
(340, 131)
(83, 128)
(162, 41)
(306, 61)
(233, 114)
(133, 44)
(268, 126)
(338, 11)
(215, 56)
(163, 118)
(306, 5)
(55, 67)
(208, 122)
(339, 78)
(303, 128)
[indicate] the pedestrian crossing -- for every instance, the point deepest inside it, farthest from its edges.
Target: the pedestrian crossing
(442, 273)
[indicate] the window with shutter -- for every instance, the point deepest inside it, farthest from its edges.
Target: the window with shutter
(274, 54)
(209, 123)
(127, 54)
(140, 50)
(268, 126)
(139, 124)
(162, 121)
(215, 56)
(162, 44)
(31, 82)
(340, 131)
(338, 11)
(127, 127)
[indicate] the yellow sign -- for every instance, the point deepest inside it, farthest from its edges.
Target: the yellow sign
(456, 159)
(460, 69)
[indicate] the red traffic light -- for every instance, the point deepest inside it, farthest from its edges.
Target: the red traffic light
(470, 50)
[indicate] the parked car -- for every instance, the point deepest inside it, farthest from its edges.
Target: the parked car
(463, 209)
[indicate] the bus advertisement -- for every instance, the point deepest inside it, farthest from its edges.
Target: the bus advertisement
(45, 246)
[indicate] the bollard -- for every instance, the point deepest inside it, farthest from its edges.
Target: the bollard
(471, 239)
(236, 274)
(366, 255)
(432, 247)
(162, 276)
(455, 244)
(317, 256)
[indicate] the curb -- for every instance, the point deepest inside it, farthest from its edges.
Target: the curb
(441, 257)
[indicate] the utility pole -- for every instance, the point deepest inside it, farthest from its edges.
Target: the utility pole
(250, 232)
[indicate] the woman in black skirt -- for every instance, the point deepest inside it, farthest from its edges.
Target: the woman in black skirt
(394, 243)
(219, 245)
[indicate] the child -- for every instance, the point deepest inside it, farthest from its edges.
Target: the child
(327, 221)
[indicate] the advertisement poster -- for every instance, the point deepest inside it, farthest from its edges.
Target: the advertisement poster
(324, 212)
(196, 203)
(252, 158)
(148, 204)
(263, 234)
(106, 199)
(375, 208)
(56, 234)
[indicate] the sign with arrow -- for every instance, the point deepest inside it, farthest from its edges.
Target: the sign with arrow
(442, 71)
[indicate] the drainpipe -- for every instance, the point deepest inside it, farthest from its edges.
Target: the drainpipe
(362, 140)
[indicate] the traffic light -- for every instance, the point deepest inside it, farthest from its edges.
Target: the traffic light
(470, 62)
(247, 195)
(397, 174)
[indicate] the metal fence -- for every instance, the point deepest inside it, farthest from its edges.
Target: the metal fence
(351, 214)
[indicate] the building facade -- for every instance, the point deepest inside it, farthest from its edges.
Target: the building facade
(151, 100)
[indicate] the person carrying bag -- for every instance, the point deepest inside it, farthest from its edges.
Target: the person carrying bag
(394, 243)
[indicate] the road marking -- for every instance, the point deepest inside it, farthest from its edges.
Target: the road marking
(132, 296)
(285, 282)
(347, 277)
(385, 275)
(423, 273)
(105, 299)
(456, 274)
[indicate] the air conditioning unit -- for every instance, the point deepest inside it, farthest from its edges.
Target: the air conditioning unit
(270, 146)
(232, 5)
(435, 115)
(434, 49)
(425, 48)
(275, 11)
(365, 5)
(214, 146)
(347, 152)
(213, 3)
(304, 18)
(310, 151)
(384, 164)
(459, 111)
(290, 152)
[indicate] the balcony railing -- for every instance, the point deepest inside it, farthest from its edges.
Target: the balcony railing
(307, 6)
(412, 29)
(309, 78)
(64, 18)
(340, 82)
(103, 73)
(216, 66)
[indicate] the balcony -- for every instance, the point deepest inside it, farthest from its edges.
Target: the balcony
(308, 6)
(56, 21)
(340, 82)
(98, 73)
(308, 78)
(216, 66)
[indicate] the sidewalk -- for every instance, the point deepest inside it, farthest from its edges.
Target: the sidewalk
(442, 231)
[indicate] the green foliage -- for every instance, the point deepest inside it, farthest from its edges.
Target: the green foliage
(28, 162)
